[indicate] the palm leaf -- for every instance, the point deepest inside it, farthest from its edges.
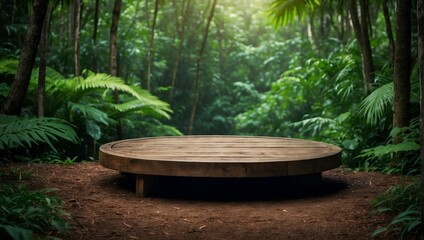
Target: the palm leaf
(374, 105)
(15, 131)
(284, 11)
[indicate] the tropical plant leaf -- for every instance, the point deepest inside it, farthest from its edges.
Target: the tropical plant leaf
(15, 131)
(105, 81)
(390, 149)
(16, 232)
(9, 66)
(284, 11)
(379, 231)
(93, 130)
(158, 107)
(89, 112)
(374, 105)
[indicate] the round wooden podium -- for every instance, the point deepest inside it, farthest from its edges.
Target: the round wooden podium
(218, 157)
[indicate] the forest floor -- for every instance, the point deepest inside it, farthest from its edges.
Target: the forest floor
(104, 205)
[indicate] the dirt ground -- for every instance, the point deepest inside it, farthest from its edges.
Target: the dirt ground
(105, 206)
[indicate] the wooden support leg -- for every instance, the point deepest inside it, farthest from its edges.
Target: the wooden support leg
(143, 185)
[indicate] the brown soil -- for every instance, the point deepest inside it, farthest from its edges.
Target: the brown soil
(105, 206)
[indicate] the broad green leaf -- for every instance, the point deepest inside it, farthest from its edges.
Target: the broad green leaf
(375, 104)
(93, 130)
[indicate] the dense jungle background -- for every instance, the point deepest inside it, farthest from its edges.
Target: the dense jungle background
(77, 74)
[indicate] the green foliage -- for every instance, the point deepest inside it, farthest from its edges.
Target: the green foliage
(88, 102)
(403, 201)
(302, 102)
(8, 66)
(27, 214)
(15, 131)
(15, 174)
(381, 158)
(78, 89)
(300, 81)
(284, 11)
(153, 127)
(55, 159)
(376, 104)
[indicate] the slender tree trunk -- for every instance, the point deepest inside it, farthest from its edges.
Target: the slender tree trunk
(341, 22)
(361, 32)
(311, 30)
(366, 16)
(368, 62)
(113, 63)
(147, 13)
(198, 61)
(389, 30)
(181, 33)
(205, 12)
(14, 101)
(113, 57)
(71, 26)
(152, 42)
(420, 24)
(94, 37)
(402, 65)
(42, 68)
(77, 18)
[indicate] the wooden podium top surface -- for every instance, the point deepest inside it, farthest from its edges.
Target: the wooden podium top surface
(219, 156)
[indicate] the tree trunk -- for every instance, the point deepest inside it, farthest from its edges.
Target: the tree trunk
(71, 27)
(389, 30)
(77, 21)
(361, 32)
(147, 13)
(14, 101)
(42, 68)
(420, 24)
(113, 57)
(402, 65)
(198, 61)
(152, 42)
(94, 37)
(113, 63)
(96, 20)
(181, 33)
(367, 59)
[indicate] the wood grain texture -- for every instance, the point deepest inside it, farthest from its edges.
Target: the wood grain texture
(219, 156)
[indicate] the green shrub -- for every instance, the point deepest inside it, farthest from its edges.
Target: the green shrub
(17, 133)
(28, 214)
(403, 202)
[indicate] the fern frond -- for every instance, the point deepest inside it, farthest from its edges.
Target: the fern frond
(154, 107)
(15, 131)
(9, 66)
(316, 122)
(105, 81)
(389, 150)
(374, 105)
(89, 112)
